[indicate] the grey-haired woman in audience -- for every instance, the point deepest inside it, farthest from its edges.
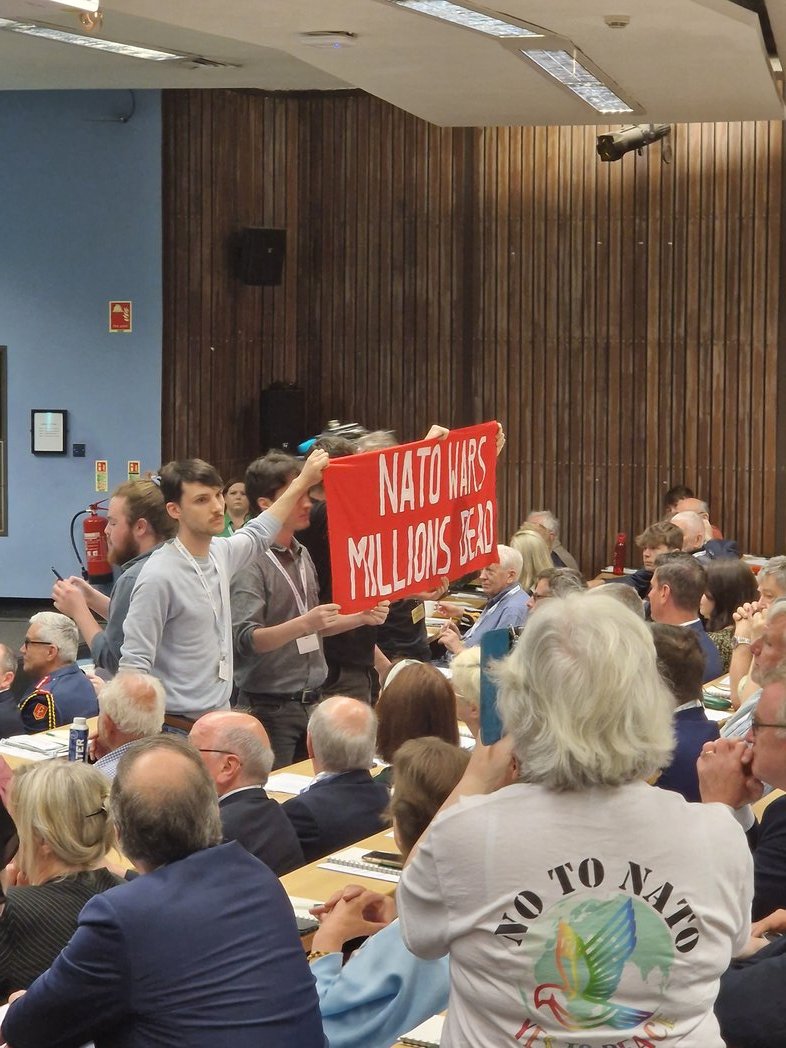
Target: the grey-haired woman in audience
(577, 903)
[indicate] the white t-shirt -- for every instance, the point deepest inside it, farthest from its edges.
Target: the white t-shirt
(580, 920)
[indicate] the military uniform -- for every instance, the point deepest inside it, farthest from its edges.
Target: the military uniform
(57, 699)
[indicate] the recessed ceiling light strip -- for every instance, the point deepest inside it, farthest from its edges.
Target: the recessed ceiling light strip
(467, 17)
(60, 36)
(564, 66)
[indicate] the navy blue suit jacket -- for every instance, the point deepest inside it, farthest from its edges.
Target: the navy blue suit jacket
(333, 813)
(750, 1002)
(768, 842)
(201, 953)
(257, 822)
(692, 728)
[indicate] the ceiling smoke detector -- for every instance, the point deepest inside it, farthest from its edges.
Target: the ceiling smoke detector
(329, 38)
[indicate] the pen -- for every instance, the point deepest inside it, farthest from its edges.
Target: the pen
(57, 574)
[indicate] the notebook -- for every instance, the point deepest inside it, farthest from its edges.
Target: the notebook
(351, 861)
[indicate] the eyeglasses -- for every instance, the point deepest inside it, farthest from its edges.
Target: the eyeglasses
(756, 724)
(230, 753)
(27, 642)
(541, 596)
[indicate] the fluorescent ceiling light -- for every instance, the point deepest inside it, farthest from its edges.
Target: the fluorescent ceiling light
(565, 67)
(80, 5)
(467, 17)
(60, 36)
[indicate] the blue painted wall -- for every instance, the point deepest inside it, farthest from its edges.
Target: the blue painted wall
(80, 224)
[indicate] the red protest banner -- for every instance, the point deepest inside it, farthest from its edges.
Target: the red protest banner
(401, 518)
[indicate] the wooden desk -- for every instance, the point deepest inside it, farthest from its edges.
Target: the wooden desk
(310, 882)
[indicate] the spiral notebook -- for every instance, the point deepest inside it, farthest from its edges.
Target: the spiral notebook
(427, 1035)
(351, 861)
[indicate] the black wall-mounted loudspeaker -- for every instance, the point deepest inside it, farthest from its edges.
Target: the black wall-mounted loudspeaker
(261, 255)
(282, 416)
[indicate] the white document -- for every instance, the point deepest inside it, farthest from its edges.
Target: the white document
(288, 782)
(40, 747)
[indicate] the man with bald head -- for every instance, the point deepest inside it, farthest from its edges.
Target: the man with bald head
(235, 749)
(695, 541)
(201, 951)
(344, 803)
(130, 707)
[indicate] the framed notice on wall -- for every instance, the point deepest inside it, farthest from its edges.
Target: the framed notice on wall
(48, 431)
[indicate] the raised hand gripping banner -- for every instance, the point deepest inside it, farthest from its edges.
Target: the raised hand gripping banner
(402, 518)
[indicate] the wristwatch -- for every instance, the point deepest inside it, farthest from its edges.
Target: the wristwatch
(737, 641)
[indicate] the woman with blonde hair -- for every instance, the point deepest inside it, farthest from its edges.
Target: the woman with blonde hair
(534, 553)
(64, 835)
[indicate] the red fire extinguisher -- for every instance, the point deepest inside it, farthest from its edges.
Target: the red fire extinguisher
(96, 552)
(95, 567)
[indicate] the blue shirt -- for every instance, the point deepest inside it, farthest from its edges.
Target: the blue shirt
(508, 608)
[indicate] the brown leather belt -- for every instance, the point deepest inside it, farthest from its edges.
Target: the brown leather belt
(176, 721)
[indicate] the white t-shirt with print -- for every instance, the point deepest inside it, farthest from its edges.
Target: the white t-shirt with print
(580, 920)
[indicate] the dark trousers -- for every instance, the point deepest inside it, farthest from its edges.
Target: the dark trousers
(358, 682)
(286, 723)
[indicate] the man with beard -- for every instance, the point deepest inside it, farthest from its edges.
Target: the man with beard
(137, 523)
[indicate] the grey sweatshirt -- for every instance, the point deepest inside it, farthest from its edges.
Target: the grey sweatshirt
(171, 629)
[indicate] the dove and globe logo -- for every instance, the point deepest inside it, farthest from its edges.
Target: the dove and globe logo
(584, 949)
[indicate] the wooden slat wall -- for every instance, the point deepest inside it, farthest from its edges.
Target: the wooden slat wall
(622, 319)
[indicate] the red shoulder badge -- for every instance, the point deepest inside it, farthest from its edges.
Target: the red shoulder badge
(39, 711)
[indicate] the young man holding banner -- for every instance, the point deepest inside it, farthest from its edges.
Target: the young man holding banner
(279, 623)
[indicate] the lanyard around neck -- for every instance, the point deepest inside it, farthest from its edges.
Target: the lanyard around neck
(299, 600)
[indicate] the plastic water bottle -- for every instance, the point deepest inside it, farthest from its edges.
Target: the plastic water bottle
(77, 740)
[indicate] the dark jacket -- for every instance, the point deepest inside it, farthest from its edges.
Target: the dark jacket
(202, 952)
(333, 813)
(252, 819)
(692, 728)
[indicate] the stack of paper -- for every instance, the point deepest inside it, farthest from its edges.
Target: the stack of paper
(427, 1035)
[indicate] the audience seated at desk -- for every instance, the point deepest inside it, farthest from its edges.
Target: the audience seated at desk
(555, 582)
(681, 665)
(202, 950)
(548, 527)
(658, 538)
(236, 752)
(130, 707)
(384, 990)
(750, 1003)
(62, 691)
(10, 715)
(417, 700)
(345, 803)
(506, 604)
(759, 656)
(695, 540)
(675, 594)
(728, 584)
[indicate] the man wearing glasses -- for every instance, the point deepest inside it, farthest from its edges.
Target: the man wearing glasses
(734, 771)
(750, 1002)
(49, 656)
